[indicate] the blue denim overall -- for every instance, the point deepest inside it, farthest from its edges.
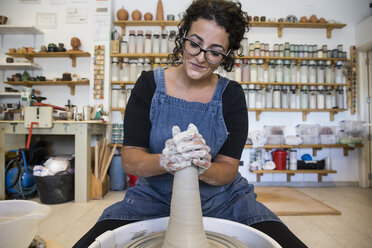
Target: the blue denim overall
(151, 197)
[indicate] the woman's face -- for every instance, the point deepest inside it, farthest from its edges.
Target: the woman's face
(208, 36)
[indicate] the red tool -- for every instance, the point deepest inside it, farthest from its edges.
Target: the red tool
(29, 134)
(48, 105)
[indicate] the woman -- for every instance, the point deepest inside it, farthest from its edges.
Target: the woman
(209, 35)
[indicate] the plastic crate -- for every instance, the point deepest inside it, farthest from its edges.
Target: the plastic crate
(275, 139)
(309, 139)
(307, 129)
(274, 130)
(328, 135)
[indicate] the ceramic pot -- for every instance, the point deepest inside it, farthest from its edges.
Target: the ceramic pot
(12, 50)
(122, 14)
(43, 49)
(313, 19)
(61, 47)
(303, 19)
(159, 11)
(148, 16)
(66, 76)
(322, 20)
(170, 17)
(9, 60)
(25, 76)
(136, 15)
(52, 47)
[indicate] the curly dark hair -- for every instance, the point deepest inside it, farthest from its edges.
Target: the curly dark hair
(226, 14)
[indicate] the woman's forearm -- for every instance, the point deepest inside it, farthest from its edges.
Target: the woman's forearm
(139, 162)
(222, 171)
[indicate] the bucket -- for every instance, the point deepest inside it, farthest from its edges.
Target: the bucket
(118, 177)
(280, 159)
(55, 189)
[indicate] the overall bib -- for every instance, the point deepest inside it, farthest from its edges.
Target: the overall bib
(151, 197)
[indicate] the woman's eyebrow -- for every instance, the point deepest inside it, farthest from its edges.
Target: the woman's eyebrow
(201, 39)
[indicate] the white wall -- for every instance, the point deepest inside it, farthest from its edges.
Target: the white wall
(350, 12)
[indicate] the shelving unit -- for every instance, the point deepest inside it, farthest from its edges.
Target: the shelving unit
(31, 56)
(305, 112)
(19, 66)
(70, 84)
(279, 25)
(315, 147)
(12, 29)
(290, 173)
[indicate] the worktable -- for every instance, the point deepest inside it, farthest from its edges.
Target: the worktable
(82, 132)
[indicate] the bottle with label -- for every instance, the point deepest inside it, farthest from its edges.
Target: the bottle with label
(164, 42)
(139, 41)
(156, 42)
(132, 41)
(148, 42)
(125, 68)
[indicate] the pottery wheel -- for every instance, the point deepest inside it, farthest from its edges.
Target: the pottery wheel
(156, 240)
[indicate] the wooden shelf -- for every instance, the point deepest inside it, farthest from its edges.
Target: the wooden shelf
(10, 94)
(19, 66)
(281, 25)
(122, 111)
(70, 84)
(162, 24)
(151, 56)
(122, 83)
(305, 112)
(12, 29)
(290, 173)
(294, 84)
(31, 56)
(315, 147)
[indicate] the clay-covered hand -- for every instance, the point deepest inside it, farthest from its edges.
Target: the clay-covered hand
(170, 159)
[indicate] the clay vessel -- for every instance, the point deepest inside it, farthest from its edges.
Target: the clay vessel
(313, 19)
(303, 19)
(136, 15)
(322, 20)
(122, 14)
(159, 11)
(148, 16)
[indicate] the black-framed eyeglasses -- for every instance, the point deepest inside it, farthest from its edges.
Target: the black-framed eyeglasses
(211, 56)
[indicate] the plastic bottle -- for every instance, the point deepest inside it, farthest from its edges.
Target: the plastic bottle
(125, 67)
(171, 41)
(287, 71)
(238, 70)
(139, 41)
(164, 42)
(132, 41)
(115, 70)
(132, 70)
(260, 70)
(148, 42)
(245, 71)
(279, 71)
(156, 42)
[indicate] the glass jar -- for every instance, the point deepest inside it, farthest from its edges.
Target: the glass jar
(157, 63)
(293, 100)
(238, 70)
(115, 69)
(132, 70)
(268, 98)
(164, 63)
(328, 99)
(124, 46)
(147, 65)
(245, 71)
(339, 73)
(128, 89)
(260, 70)
(312, 99)
(285, 99)
(122, 99)
(276, 99)
(253, 72)
(156, 42)
(125, 68)
(312, 72)
(329, 74)
(246, 94)
(271, 71)
(171, 41)
(114, 98)
(259, 98)
(320, 74)
(320, 103)
(148, 41)
(132, 41)
(279, 71)
(340, 98)
(294, 72)
(164, 42)
(139, 41)
(287, 71)
(139, 67)
(252, 99)
(304, 72)
(304, 99)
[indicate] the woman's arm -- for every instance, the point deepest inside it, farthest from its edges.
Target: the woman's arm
(222, 171)
(139, 162)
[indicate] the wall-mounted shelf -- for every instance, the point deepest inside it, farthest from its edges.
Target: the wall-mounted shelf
(315, 148)
(162, 24)
(122, 111)
(281, 25)
(122, 83)
(31, 56)
(12, 29)
(299, 85)
(19, 66)
(70, 84)
(290, 173)
(10, 94)
(305, 112)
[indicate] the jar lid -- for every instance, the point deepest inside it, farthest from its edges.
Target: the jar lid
(320, 62)
(147, 60)
(132, 32)
(164, 60)
(140, 32)
(115, 60)
(148, 32)
(312, 62)
(126, 60)
(156, 33)
(328, 62)
(157, 60)
(260, 61)
(279, 62)
(172, 32)
(164, 32)
(287, 62)
(140, 60)
(238, 61)
(253, 61)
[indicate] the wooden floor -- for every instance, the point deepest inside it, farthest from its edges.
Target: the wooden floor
(68, 222)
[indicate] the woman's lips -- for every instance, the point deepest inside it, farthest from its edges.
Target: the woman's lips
(196, 66)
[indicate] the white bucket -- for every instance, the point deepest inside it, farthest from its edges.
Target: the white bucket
(123, 235)
(19, 220)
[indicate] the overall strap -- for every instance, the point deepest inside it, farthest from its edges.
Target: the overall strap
(221, 86)
(159, 79)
